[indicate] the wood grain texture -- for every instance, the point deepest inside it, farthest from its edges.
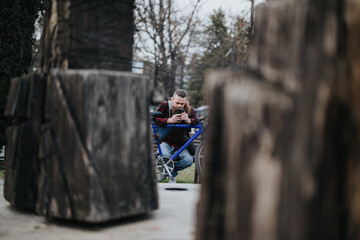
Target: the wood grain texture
(102, 168)
(88, 35)
(80, 147)
(283, 155)
(25, 106)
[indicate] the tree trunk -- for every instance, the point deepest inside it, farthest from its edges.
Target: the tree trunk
(80, 147)
(90, 34)
(173, 66)
(182, 70)
(252, 20)
(282, 147)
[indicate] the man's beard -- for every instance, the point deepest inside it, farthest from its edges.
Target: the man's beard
(173, 110)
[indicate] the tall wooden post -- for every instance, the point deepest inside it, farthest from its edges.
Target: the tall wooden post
(91, 160)
(283, 141)
(88, 34)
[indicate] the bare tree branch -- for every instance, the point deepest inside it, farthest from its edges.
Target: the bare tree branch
(169, 31)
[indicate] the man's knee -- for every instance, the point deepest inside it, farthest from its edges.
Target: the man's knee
(188, 160)
(166, 149)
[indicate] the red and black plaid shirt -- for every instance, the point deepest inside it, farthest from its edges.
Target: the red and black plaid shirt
(175, 137)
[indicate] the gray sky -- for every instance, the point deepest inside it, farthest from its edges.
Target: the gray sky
(232, 7)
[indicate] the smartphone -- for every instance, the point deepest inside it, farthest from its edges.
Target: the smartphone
(179, 111)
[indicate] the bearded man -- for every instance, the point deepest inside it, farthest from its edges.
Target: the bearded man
(172, 142)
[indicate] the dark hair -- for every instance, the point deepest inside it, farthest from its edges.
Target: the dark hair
(181, 93)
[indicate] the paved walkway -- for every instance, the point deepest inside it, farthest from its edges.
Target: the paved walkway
(174, 220)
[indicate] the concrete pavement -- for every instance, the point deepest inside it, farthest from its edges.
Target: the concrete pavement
(174, 220)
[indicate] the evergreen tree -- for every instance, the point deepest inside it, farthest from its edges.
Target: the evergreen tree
(216, 44)
(17, 18)
(217, 41)
(223, 47)
(195, 82)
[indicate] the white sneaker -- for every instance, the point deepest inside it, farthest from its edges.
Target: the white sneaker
(161, 177)
(172, 180)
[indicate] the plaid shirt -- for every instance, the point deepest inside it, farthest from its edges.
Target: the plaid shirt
(175, 137)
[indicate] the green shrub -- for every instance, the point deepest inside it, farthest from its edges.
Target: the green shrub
(17, 18)
(2, 171)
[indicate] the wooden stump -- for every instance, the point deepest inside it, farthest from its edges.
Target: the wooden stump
(83, 151)
(96, 161)
(25, 106)
(283, 140)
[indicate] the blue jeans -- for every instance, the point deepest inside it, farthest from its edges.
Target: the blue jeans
(186, 160)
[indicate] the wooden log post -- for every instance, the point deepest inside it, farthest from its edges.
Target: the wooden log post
(96, 149)
(25, 106)
(283, 140)
(88, 34)
(93, 157)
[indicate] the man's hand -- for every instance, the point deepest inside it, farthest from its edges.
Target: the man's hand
(174, 119)
(185, 117)
(178, 118)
